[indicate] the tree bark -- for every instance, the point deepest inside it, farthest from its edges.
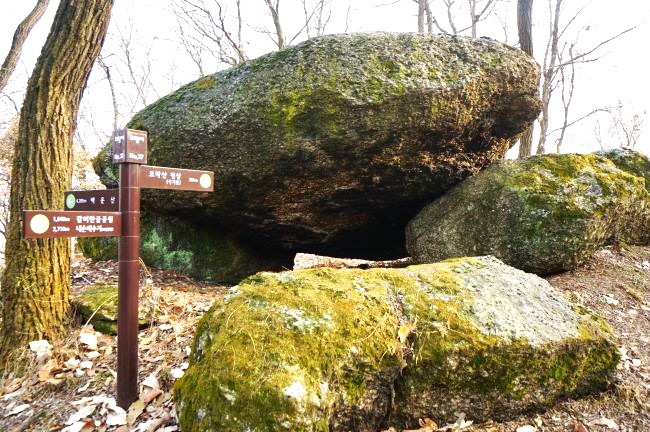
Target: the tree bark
(20, 36)
(525, 28)
(36, 282)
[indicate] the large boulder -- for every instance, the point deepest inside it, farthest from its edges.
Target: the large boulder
(361, 350)
(543, 214)
(332, 145)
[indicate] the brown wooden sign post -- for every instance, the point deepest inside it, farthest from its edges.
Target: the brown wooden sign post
(130, 152)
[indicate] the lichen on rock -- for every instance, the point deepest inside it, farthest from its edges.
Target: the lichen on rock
(543, 214)
(349, 349)
(330, 146)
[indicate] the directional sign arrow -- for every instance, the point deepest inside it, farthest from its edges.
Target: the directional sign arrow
(63, 224)
(154, 177)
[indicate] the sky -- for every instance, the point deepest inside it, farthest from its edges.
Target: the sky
(620, 74)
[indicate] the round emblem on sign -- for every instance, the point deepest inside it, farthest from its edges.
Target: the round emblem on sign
(39, 224)
(70, 201)
(205, 181)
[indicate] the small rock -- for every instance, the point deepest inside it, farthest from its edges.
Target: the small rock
(151, 381)
(176, 373)
(89, 340)
(72, 363)
(604, 421)
(526, 428)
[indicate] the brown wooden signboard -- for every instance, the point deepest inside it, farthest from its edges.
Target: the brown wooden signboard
(93, 200)
(130, 146)
(62, 224)
(154, 177)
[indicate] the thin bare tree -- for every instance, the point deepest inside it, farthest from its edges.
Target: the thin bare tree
(20, 36)
(473, 11)
(558, 70)
(625, 128)
(274, 8)
(317, 16)
(525, 31)
(213, 30)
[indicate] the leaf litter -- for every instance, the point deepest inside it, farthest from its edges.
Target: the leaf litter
(70, 385)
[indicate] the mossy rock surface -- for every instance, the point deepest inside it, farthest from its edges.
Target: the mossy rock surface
(630, 161)
(98, 304)
(543, 214)
(360, 350)
(332, 145)
(176, 244)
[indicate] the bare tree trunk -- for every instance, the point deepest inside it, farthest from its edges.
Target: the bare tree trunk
(22, 31)
(36, 282)
(427, 8)
(525, 27)
(474, 18)
(549, 71)
(421, 15)
(281, 41)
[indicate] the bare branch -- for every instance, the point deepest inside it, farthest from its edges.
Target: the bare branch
(107, 72)
(580, 57)
(20, 36)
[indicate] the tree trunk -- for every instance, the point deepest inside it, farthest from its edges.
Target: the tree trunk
(20, 35)
(421, 15)
(548, 74)
(281, 42)
(36, 282)
(525, 27)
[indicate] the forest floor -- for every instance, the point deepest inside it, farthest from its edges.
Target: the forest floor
(70, 386)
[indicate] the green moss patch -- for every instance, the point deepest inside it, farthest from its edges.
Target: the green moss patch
(349, 349)
(176, 244)
(98, 305)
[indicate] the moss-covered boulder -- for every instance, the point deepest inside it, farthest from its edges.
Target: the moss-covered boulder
(332, 145)
(98, 305)
(630, 161)
(544, 214)
(172, 243)
(360, 350)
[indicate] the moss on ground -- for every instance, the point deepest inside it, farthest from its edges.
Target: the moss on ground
(98, 305)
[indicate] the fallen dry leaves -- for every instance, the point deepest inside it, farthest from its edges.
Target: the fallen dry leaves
(70, 386)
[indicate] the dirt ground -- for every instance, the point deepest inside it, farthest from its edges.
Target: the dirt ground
(70, 386)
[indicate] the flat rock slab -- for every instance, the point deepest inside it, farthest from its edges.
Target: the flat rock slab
(351, 349)
(332, 145)
(543, 214)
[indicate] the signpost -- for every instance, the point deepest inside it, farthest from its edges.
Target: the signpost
(100, 199)
(114, 212)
